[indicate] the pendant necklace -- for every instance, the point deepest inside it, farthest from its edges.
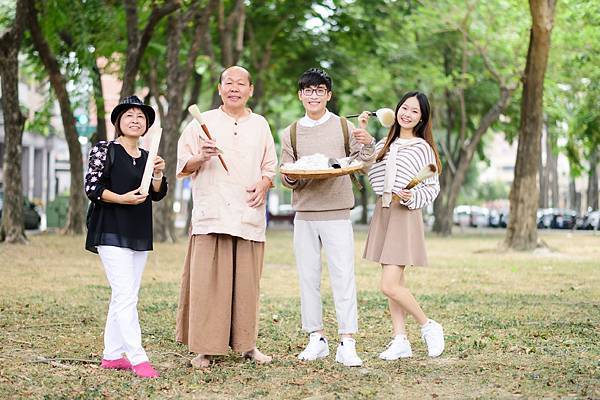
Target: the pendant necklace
(132, 157)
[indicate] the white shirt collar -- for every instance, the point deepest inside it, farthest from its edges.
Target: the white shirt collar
(309, 122)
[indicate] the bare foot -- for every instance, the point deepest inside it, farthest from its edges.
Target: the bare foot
(258, 357)
(201, 361)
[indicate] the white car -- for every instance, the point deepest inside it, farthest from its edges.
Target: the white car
(356, 213)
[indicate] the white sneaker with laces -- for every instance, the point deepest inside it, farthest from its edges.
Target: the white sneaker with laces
(399, 347)
(433, 335)
(317, 348)
(346, 353)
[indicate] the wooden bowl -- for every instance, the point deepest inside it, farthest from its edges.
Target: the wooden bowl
(320, 173)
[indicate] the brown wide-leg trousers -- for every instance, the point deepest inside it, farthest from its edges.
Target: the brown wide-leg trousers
(218, 303)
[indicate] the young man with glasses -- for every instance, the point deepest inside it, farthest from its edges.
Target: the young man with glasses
(323, 216)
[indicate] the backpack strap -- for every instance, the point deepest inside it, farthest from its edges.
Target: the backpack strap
(110, 157)
(344, 124)
(293, 139)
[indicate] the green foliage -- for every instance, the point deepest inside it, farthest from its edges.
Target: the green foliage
(479, 193)
(77, 33)
(375, 50)
(40, 124)
(572, 92)
(7, 13)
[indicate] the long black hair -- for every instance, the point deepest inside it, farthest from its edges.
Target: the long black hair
(422, 129)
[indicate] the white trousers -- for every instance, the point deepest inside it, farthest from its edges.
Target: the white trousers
(337, 239)
(122, 334)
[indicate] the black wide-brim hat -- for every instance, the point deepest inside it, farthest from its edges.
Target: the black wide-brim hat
(131, 102)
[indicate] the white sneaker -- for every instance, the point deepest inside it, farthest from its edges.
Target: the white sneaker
(346, 353)
(317, 347)
(433, 335)
(399, 347)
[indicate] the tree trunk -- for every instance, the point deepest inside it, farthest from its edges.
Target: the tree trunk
(544, 173)
(453, 181)
(177, 77)
(521, 233)
(12, 229)
(592, 192)
(553, 174)
(443, 221)
(573, 195)
(138, 42)
(99, 100)
(163, 217)
(77, 203)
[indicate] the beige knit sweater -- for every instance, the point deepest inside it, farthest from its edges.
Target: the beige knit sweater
(322, 199)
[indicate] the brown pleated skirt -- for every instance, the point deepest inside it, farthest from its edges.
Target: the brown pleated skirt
(396, 236)
(219, 298)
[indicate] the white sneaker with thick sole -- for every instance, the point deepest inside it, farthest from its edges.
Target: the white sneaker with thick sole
(346, 353)
(399, 347)
(317, 347)
(433, 335)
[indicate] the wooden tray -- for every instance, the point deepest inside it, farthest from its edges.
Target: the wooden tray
(320, 173)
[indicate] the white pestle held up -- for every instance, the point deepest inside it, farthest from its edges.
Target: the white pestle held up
(155, 134)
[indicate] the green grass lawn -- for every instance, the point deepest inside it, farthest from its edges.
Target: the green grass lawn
(518, 325)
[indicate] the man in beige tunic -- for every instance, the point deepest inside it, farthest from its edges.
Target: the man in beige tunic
(218, 305)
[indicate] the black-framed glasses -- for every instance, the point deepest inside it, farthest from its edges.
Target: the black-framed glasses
(310, 91)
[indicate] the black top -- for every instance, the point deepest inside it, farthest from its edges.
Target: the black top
(120, 225)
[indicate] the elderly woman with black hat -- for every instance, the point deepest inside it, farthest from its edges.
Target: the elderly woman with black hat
(120, 229)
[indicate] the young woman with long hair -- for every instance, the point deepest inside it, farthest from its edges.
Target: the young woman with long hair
(396, 234)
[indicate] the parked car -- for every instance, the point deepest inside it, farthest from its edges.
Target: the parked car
(590, 220)
(285, 213)
(462, 215)
(356, 213)
(545, 217)
(564, 218)
(498, 218)
(474, 216)
(503, 219)
(31, 214)
(556, 218)
(480, 217)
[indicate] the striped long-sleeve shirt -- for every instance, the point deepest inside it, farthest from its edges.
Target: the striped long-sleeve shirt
(410, 160)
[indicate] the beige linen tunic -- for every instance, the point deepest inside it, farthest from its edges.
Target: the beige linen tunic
(220, 198)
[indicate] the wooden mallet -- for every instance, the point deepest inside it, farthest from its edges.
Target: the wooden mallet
(195, 112)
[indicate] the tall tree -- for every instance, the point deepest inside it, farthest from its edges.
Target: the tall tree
(12, 229)
(521, 233)
(460, 151)
(137, 41)
(99, 100)
(231, 24)
(75, 217)
(572, 91)
(477, 76)
(179, 71)
(277, 45)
